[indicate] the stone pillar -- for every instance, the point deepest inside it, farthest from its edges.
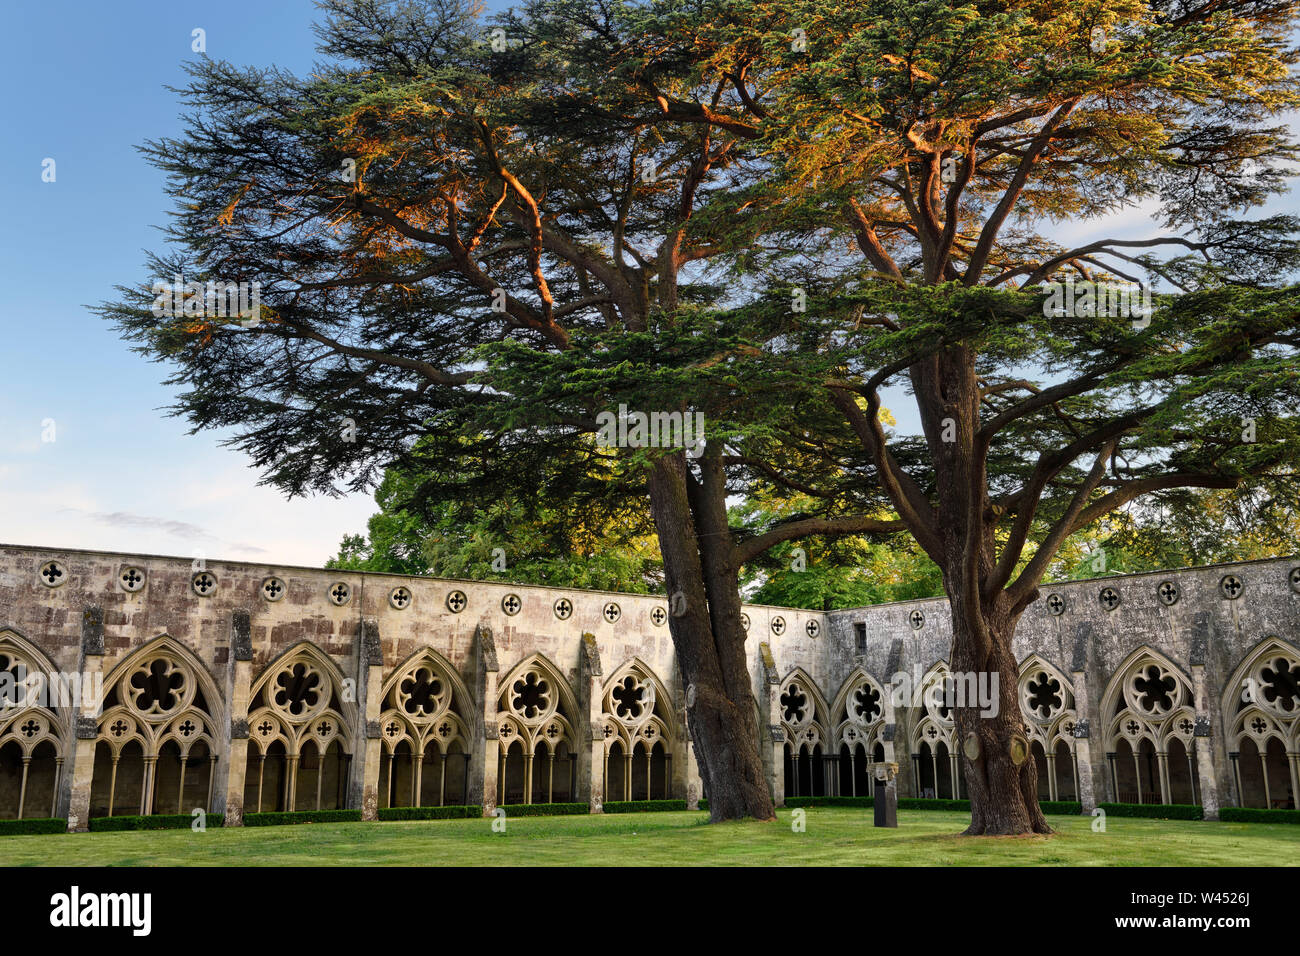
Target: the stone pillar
(232, 766)
(363, 789)
(1205, 768)
(1083, 708)
(485, 751)
(771, 743)
(77, 778)
(591, 749)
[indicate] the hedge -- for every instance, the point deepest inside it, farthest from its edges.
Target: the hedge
(927, 803)
(1258, 815)
(35, 825)
(1072, 807)
(642, 806)
(1158, 811)
(794, 802)
(430, 813)
(157, 821)
(301, 816)
(544, 809)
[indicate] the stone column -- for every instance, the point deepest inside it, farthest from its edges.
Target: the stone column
(77, 778)
(1205, 768)
(232, 765)
(1083, 784)
(591, 749)
(771, 744)
(485, 750)
(363, 789)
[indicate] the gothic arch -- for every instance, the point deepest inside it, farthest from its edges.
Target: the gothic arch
(805, 717)
(36, 708)
(858, 713)
(536, 709)
(934, 760)
(300, 724)
(1047, 705)
(1261, 707)
(1149, 718)
(427, 718)
(159, 732)
(639, 727)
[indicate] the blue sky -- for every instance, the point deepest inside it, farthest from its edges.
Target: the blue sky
(87, 82)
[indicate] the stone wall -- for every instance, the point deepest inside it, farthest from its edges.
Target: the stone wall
(230, 629)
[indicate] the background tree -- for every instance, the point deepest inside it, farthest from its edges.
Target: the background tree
(944, 139)
(472, 242)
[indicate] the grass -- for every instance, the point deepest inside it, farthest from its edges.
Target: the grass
(834, 837)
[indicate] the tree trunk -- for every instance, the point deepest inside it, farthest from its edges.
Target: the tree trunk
(704, 604)
(1003, 794)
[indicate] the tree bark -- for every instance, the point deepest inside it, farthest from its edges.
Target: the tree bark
(1003, 795)
(704, 619)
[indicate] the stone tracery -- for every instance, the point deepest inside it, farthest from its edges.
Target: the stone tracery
(425, 737)
(1150, 723)
(638, 733)
(1262, 708)
(32, 731)
(300, 728)
(536, 755)
(156, 749)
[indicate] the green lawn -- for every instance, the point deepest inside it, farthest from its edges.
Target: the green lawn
(835, 837)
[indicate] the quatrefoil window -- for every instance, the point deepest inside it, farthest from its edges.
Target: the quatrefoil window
(340, 593)
(629, 698)
(866, 703)
(131, 579)
(1155, 690)
(530, 696)
(298, 690)
(794, 703)
(273, 589)
(422, 693)
(13, 692)
(563, 609)
(203, 583)
(1044, 694)
(156, 688)
(1281, 684)
(53, 574)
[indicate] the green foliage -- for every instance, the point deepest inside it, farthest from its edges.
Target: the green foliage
(926, 803)
(504, 541)
(43, 825)
(642, 806)
(1257, 815)
(796, 802)
(544, 809)
(1156, 811)
(158, 821)
(300, 816)
(1071, 807)
(429, 813)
